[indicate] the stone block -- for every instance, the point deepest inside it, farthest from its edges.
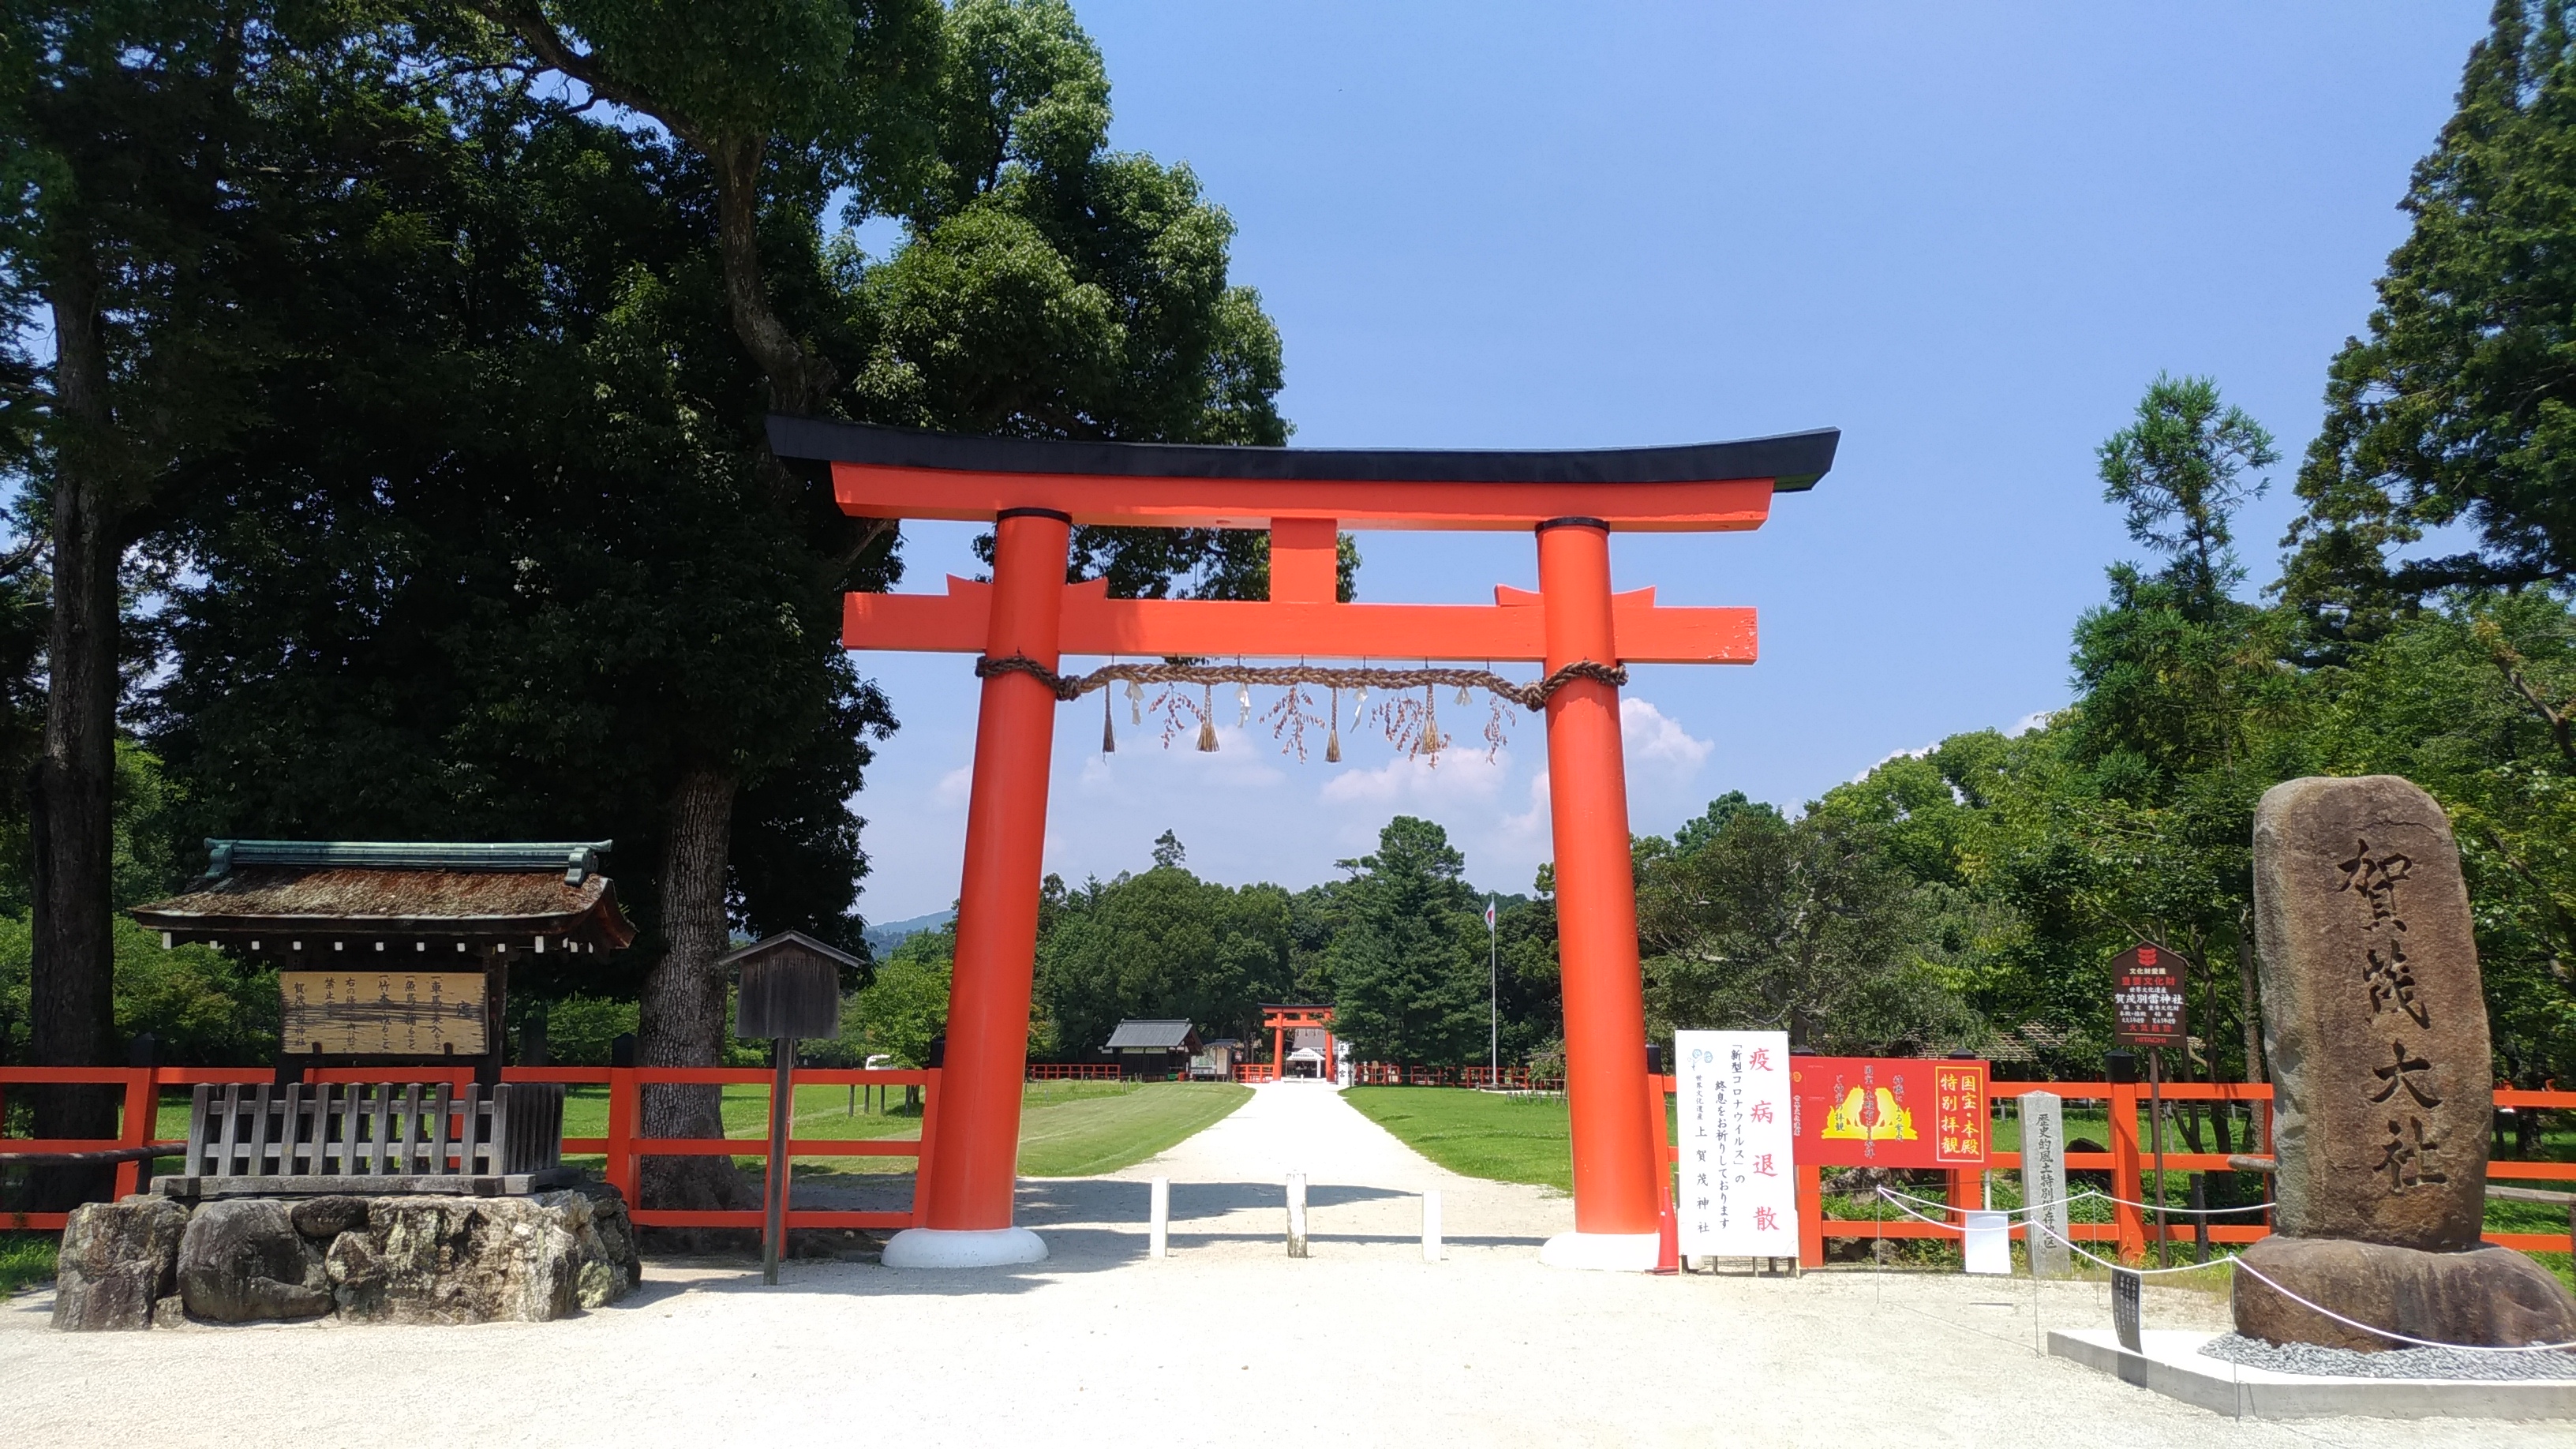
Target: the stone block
(2487, 1296)
(325, 1218)
(458, 1260)
(117, 1259)
(242, 1261)
(2374, 1022)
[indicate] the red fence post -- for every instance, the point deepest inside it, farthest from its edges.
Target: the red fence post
(142, 1111)
(2127, 1181)
(1811, 1215)
(621, 1133)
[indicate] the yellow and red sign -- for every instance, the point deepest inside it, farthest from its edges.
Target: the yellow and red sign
(1889, 1111)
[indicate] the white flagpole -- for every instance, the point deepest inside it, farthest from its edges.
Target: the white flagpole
(1493, 996)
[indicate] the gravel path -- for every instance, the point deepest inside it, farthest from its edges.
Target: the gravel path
(1227, 1341)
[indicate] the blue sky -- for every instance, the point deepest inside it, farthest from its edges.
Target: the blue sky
(1967, 235)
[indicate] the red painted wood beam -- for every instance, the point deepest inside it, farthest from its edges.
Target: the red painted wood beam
(1510, 630)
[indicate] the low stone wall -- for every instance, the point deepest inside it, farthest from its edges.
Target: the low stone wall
(413, 1259)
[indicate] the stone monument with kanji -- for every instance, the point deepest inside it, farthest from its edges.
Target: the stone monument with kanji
(2375, 1023)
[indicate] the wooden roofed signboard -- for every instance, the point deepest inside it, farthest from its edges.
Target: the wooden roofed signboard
(395, 951)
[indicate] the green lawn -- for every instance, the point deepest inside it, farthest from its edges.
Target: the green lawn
(26, 1258)
(1097, 1127)
(1478, 1134)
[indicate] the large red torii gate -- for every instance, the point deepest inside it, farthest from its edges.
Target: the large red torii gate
(1034, 491)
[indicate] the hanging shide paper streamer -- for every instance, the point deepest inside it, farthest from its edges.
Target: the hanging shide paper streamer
(1411, 726)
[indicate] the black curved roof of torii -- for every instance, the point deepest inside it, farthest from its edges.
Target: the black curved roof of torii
(1793, 461)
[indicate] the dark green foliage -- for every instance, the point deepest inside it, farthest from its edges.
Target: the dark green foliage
(1164, 943)
(1806, 927)
(2459, 406)
(1407, 965)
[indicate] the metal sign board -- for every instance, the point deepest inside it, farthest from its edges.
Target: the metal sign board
(1737, 1195)
(1890, 1111)
(2147, 997)
(383, 1013)
(2126, 1286)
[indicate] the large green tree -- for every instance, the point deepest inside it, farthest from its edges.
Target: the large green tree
(1407, 966)
(159, 166)
(1164, 944)
(2458, 408)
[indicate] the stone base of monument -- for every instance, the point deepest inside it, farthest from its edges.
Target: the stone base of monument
(2483, 1296)
(2171, 1363)
(154, 1262)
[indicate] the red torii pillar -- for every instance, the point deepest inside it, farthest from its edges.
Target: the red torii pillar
(1035, 490)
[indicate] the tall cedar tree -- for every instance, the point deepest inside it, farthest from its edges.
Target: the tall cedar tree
(2459, 407)
(151, 176)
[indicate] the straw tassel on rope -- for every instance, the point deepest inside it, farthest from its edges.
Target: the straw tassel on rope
(1207, 722)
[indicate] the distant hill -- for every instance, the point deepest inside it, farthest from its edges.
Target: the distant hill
(885, 937)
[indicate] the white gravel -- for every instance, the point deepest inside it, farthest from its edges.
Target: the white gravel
(1228, 1341)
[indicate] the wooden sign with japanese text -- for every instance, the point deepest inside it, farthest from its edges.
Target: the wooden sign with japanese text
(383, 1013)
(1738, 1196)
(1889, 1111)
(2147, 997)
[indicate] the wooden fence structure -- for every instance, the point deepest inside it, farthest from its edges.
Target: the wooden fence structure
(623, 1146)
(2131, 1229)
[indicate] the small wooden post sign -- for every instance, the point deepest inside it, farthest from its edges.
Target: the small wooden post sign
(790, 990)
(383, 1013)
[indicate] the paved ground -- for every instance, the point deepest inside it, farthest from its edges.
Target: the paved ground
(1226, 1342)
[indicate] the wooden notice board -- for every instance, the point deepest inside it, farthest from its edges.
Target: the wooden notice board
(383, 1013)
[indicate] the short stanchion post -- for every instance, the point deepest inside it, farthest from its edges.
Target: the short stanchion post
(1296, 1215)
(1431, 1227)
(1158, 1231)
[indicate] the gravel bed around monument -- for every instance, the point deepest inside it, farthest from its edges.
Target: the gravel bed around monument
(2400, 1363)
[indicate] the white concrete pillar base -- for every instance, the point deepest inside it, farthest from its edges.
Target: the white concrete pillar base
(966, 1248)
(1599, 1252)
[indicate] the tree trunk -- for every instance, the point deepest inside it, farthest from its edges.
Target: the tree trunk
(684, 997)
(72, 982)
(798, 380)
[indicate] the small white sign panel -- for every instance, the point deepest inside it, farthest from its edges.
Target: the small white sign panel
(1738, 1189)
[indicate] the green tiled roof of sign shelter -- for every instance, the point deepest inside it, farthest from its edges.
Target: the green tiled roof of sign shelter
(269, 894)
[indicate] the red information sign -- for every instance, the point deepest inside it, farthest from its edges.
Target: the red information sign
(2147, 985)
(1888, 1111)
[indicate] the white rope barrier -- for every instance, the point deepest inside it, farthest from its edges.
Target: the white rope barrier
(2266, 1279)
(2087, 1195)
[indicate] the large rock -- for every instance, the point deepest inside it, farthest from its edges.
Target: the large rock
(117, 1259)
(2373, 1019)
(2492, 1296)
(241, 1261)
(481, 1260)
(608, 1266)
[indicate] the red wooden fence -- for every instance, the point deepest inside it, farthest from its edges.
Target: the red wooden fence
(623, 1147)
(2130, 1229)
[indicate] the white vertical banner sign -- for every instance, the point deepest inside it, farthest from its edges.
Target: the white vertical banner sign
(1738, 1193)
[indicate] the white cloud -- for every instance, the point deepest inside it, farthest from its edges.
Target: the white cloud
(1458, 774)
(1657, 741)
(2029, 722)
(954, 787)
